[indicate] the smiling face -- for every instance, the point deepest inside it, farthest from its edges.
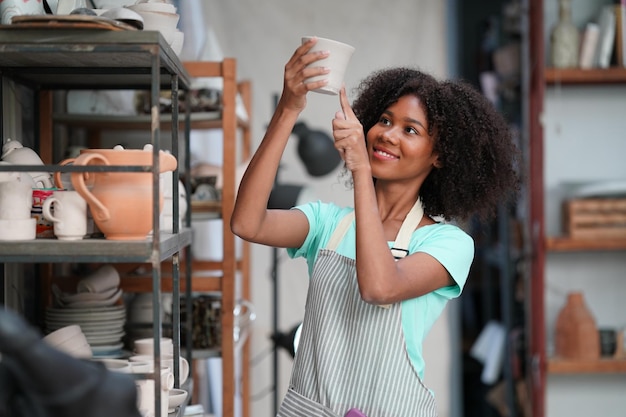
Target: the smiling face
(399, 145)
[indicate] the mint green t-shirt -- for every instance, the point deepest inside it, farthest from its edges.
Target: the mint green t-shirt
(447, 243)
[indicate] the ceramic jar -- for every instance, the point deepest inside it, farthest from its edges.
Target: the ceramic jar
(576, 333)
(121, 203)
(565, 38)
(13, 152)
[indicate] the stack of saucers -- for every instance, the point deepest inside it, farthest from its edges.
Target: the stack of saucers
(96, 307)
(103, 327)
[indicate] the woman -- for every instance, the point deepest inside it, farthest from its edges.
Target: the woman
(381, 273)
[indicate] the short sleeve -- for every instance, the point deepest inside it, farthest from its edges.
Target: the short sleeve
(452, 247)
(323, 218)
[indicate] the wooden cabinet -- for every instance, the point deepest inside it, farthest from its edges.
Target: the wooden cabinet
(575, 130)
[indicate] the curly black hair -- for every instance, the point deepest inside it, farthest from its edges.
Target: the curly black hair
(472, 139)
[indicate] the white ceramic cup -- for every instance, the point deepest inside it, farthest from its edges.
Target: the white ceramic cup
(16, 199)
(337, 61)
(145, 346)
(167, 361)
(116, 365)
(67, 210)
(145, 392)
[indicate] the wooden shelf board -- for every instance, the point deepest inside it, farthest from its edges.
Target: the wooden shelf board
(144, 283)
(200, 206)
(585, 76)
(199, 121)
(602, 366)
(566, 244)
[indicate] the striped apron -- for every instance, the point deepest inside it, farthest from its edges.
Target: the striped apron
(352, 354)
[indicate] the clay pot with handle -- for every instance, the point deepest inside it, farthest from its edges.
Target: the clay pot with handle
(121, 203)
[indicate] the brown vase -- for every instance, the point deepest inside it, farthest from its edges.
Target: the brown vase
(121, 202)
(576, 333)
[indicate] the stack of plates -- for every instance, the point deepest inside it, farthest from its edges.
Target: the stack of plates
(103, 326)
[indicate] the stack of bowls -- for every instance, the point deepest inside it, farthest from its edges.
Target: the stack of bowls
(160, 15)
(71, 340)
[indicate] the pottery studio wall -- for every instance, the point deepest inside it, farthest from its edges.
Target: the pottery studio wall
(262, 36)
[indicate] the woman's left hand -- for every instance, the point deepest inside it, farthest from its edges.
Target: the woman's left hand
(349, 136)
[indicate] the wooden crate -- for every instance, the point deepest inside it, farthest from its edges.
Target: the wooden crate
(595, 218)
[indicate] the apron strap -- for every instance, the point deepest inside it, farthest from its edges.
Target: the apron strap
(401, 245)
(403, 239)
(340, 231)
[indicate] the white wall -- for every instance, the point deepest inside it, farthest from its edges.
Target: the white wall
(262, 36)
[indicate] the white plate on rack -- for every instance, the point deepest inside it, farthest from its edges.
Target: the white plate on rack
(104, 340)
(108, 351)
(608, 188)
(86, 314)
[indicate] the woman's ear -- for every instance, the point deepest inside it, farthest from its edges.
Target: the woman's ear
(437, 163)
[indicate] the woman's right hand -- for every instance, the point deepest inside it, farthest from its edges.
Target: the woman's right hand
(296, 71)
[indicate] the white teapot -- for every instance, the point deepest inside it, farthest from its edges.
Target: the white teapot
(15, 153)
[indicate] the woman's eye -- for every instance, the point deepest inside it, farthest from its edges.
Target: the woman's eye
(384, 121)
(411, 130)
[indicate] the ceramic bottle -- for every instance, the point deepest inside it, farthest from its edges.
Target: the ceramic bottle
(576, 334)
(565, 38)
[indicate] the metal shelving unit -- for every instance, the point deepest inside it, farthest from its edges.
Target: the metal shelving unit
(60, 58)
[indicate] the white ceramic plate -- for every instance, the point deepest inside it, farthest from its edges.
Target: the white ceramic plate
(107, 351)
(609, 188)
(104, 340)
(86, 314)
(110, 324)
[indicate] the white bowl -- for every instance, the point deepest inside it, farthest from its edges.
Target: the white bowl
(175, 398)
(62, 334)
(81, 352)
(153, 7)
(116, 365)
(177, 45)
(160, 21)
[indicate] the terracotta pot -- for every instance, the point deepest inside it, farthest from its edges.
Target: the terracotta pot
(120, 202)
(576, 333)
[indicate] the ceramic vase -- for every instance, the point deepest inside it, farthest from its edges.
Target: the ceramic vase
(121, 202)
(576, 333)
(565, 38)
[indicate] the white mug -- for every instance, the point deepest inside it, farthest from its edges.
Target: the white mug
(145, 346)
(167, 361)
(68, 212)
(16, 199)
(145, 392)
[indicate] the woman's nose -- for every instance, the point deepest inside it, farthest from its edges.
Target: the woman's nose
(390, 135)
